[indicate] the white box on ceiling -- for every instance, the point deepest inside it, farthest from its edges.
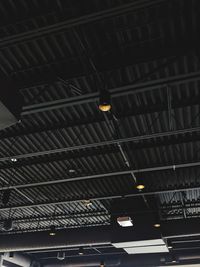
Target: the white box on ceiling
(151, 242)
(148, 249)
(124, 221)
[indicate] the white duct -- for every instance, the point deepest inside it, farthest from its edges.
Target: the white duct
(17, 259)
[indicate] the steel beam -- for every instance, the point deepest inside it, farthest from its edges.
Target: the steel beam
(116, 92)
(103, 143)
(109, 150)
(105, 197)
(74, 225)
(60, 216)
(63, 26)
(104, 62)
(182, 139)
(98, 118)
(101, 175)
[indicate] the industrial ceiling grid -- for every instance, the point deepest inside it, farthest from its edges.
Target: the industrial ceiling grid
(30, 62)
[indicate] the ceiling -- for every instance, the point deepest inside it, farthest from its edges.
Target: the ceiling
(61, 55)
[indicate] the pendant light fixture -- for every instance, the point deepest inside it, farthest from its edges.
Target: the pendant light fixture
(105, 101)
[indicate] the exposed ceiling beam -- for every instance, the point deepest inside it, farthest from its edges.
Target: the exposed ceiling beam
(116, 92)
(156, 143)
(103, 143)
(102, 175)
(63, 26)
(67, 180)
(105, 61)
(23, 230)
(108, 197)
(99, 118)
(58, 216)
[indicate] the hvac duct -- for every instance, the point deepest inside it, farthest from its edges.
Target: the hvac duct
(87, 263)
(17, 259)
(129, 260)
(62, 239)
(97, 235)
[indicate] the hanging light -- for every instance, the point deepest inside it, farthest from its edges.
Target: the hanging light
(52, 231)
(140, 186)
(61, 255)
(8, 225)
(156, 220)
(174, 260)
(105, 101)
(81, 251)
(102, 264)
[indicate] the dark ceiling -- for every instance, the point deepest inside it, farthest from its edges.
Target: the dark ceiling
(61, 54)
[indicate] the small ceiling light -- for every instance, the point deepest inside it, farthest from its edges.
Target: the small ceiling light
(170, 247)
(140, 186)
(81, 251)
(13, 159)
(124, 221)
(105, 101)
(61, 255)
(8, 225)
(52, 231)
(156, 225)
(87, 203)
(174, 260)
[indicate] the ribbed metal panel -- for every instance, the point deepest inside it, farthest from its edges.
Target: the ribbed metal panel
(57, 65)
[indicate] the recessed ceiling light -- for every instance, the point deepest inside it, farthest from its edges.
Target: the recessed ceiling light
(140, 186)
(156, 225)
(13, 159)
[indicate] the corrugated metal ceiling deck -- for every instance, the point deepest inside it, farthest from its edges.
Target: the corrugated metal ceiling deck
(136, 46)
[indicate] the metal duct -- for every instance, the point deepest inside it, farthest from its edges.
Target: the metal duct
(96, 235)
(62, 239)
(128, 260)
(17, 259)
(123, 260)
(87, 263)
